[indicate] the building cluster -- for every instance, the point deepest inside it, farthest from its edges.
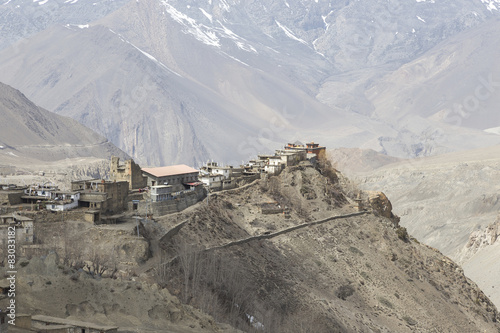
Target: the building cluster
(157, 191)
(216, 177)
(97, 195)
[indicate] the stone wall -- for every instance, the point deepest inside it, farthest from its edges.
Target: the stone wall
(48, 216)
(11, 197)
(178, 204)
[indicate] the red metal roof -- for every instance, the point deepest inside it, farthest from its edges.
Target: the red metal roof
(170, 170)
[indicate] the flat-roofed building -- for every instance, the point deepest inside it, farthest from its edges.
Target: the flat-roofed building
(64, 201)
(161, 192)
(23, 225)
(110, 197)
(314, 148)
(227, 171)
(176, 175)
(11, 194)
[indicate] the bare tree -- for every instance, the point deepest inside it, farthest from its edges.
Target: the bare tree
(97, 264)
(214, 283)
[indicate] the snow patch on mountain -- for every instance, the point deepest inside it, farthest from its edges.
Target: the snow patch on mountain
(206, 14)
(146, 54)
(239, 41)
(491, 4)
(289, 33)
(205, 34)
(224, 5)
(199, 31)
(81, 26)
(327, 25)
(235, 59)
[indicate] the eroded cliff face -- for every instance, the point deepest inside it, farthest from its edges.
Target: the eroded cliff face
(478, 240)
(479, 258)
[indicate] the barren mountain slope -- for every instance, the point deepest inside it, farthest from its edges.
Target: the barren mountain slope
(327, 268)
(454, 83)
(441, 199)
(448, 202)
(174, 82)
(159, 114)
(45, 286)
(355, 160)
(23, 18)
(29, 134)
(352, 274)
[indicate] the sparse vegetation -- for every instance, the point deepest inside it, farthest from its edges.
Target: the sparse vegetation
(385, 302)
(308, 192)
(216, 284)
(262, 286)
(365, 275)
(343, 292)
(355, 250)
(402, 234)
(410, 321)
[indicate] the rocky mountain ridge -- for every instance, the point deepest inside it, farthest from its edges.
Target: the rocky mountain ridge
(246, 75)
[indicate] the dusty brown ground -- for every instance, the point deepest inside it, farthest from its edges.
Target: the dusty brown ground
(353, 275)
(358, 274)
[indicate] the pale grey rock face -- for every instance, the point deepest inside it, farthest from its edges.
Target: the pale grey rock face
(185, 81)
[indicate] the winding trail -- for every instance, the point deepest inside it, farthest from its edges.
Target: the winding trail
(283, 231)
(254, 238)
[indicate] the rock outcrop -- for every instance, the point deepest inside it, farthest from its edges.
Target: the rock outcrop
(480, 239)
(379, 202)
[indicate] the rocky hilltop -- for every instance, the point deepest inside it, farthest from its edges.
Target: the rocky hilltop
(300, 252)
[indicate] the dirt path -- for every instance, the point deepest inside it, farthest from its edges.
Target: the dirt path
(284, 231)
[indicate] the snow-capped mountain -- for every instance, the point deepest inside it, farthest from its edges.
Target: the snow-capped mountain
(171, 81)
